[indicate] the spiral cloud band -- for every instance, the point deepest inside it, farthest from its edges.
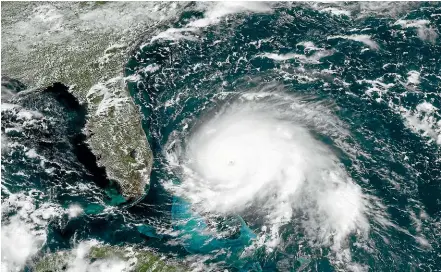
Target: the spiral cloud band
(260, 155)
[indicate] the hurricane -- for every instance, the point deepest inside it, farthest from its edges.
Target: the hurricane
(278, 137)
(259, 155)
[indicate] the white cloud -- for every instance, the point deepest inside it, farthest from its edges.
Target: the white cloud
(366, 39)
(19, 243)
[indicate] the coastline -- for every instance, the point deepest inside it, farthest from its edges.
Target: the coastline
(64, 45)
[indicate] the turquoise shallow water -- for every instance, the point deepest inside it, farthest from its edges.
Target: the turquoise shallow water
(374, 76)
